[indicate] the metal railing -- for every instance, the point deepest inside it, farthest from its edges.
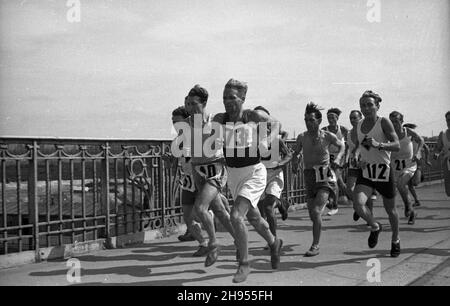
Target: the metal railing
(58, 191)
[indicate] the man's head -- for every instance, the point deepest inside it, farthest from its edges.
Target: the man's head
(447, 118)
(369, 103)
(396, 119)
(355, 117)
(333, 116)
(313, 117)
(179, 114)
(234, 95)
(196, 100)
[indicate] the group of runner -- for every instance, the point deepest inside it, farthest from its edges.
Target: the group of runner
(244, 149)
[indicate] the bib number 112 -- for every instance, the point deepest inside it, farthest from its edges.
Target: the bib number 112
(377, 172)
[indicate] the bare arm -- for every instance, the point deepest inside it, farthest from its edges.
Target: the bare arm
(338, 143)
(419, 140)
(297, 158)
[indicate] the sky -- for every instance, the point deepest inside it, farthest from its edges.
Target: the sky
(121, 70)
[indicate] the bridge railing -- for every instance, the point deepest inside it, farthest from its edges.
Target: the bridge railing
(57, 191)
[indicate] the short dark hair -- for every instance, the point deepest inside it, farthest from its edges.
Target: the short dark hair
(334, 110)
(447, 114)
(262, 108)
(371, 94)
(180, 111)
(198, 91)
(396, 114)
(356, 111)
(312, 108)
(240, 86)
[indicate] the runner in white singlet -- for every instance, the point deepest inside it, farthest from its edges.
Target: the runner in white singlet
(377, 140)
(404, 162)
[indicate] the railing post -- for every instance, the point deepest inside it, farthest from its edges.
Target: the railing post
(33, 208)
(105, 192)
(162, 188)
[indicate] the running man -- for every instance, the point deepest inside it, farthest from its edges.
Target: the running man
(423, 161)
(443, 150)
(341, 133)
(353, 156)
(188, 192)
(377, 139)
(404, 162)
(247, 175)
(209, 171)
(319, 175)
(271, 197)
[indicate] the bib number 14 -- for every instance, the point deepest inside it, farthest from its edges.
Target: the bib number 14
(324, 174)
(377, 172)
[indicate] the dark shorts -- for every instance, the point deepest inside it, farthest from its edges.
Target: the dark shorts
(386, 189)
(215, 174)
(312, 187)
(188, 197)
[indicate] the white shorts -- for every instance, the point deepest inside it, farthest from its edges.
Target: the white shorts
(406, 171)
(248, 182)
(275, 183)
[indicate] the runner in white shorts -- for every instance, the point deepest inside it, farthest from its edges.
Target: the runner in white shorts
(404, 162)
(353, 156)
(443, 151)
(271, 197)
(246, 173)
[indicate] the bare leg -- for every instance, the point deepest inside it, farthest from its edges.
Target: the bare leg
(220, 211)
(315, 207)
(360, 196)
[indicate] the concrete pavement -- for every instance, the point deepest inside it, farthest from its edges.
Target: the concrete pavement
(343, 260)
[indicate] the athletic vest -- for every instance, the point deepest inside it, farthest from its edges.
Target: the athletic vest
(215, 154)
(315, 154)
(378, 161)
(333, 149)
(403, 158)
(240, 146)
(353, 158)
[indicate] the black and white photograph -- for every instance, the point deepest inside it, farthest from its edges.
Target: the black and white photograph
(224, 149)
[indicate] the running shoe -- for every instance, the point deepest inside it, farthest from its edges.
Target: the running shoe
(395, 249)
(213, 254)
(416, 204)
(313, 251)
(355, 216)
(186, 237)
(373, 238)
(202, 251)
(241, 273)
(412, 218)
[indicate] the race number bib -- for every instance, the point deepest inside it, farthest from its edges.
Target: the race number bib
(209, 171)
(187, 183)
(377, 172)
(324, 174)
(399, 164)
